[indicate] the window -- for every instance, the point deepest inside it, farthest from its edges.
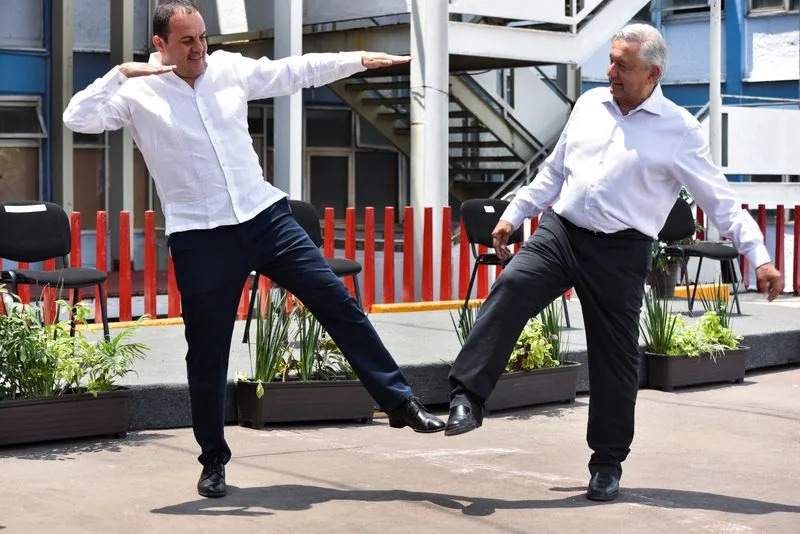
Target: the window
(773, 5)
(22, 24)
(89, 176)
(21, 131)
(686, 7)
(328, 128)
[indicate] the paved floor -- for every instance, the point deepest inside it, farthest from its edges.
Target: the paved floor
(718, 459)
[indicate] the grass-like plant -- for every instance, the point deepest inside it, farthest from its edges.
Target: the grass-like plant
(466, 320)
(659, 325)
(272, 329)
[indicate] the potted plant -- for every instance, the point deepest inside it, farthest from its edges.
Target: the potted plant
(537, 371)
(57, 386)
(704, 352)
(307, 379)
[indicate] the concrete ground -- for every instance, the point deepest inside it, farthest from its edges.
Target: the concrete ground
(715, 459)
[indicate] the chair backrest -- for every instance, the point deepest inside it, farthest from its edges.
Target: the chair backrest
(33, 231)
(307, 217)
(480, 216)
(679, 224)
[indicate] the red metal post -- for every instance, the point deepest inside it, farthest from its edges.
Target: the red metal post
(244, 300)
(388, 255)
(329, 234)
(796, 259)
(408, 255)
(701, 234)
(75, 245)
(427, 254)
(762, 223)
(125, 294)
(350, 243)
(49, 295)
(173, 295)
(101, 259)
(369, 258)
(483, 275)
(24, 289)
(780, 261)
(150, 263)
(464, 267)
(446, 276)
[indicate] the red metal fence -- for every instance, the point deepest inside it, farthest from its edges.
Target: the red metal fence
(370, 278)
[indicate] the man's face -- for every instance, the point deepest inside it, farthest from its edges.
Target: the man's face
(632, 80)
(185, 46)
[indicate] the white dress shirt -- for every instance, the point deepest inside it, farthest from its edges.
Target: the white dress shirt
(195, 141)
(610, 172)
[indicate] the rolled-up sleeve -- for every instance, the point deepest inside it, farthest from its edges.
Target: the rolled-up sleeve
(98, 107)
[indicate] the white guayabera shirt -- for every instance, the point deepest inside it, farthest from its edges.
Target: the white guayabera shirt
(195, 141)
(610, 172)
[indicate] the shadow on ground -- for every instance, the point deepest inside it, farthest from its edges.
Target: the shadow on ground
(69, 450)
(263, 501)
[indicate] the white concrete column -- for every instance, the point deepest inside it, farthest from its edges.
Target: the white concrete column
(715, 83)
(288, 120)
(430, 69)
(119, 187)
(60, 135)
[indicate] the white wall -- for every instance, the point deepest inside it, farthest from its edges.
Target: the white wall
(773, 51)
(91, 26)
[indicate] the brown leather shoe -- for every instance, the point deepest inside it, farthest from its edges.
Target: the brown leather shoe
(412, 413)
(212, 480)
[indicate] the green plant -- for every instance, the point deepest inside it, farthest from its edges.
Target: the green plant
(717, 299)
(466, 319)
(667, 333)
(272, 329)
(39, 360)
(551, 328)
(308, 335)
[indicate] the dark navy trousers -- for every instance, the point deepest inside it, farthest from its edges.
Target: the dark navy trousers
(211, 267)
(608, 273)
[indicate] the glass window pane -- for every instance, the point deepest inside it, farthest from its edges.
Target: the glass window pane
(328, 128)
(19, 173)
(90, 191)
(22, 24)
(376, 182)
(328, 183)
(767, 4)
(19, 120)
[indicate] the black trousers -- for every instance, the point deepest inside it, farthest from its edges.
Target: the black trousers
(211, 267)
(608, 273)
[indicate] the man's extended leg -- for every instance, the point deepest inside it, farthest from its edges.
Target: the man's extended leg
(537, 275)
(287, 256)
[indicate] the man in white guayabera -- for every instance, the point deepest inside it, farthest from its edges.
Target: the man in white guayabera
(612, 179)
(187, 112)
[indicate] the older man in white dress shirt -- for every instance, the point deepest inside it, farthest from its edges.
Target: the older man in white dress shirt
(613, 178)
(187, 112)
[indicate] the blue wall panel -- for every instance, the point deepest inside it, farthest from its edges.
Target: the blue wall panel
(23, 73)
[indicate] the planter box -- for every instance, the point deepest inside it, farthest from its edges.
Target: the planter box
(285, 402)
(668, 372)
(540, 386)
(64, 417)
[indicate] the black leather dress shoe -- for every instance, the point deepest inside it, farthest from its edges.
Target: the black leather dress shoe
(603, 487)
(412, 413)
(212, 480)
(463, 418)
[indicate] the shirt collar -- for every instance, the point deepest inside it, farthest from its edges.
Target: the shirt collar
(652, 104)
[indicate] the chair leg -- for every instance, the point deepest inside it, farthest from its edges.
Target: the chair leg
(103, 311)
(566, 311)
(735, 284)
(358, 292)
(72, 312)
(696, 280)
(253, 293)
(471, 283)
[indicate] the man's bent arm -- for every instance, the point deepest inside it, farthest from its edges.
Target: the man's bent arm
(98, 108)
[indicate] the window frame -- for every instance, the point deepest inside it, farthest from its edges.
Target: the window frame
(22, 101)
(770, 10)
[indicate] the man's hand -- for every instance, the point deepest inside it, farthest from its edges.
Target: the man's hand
(769, 280)
(377, 60)
(500, 236)
(136, 68)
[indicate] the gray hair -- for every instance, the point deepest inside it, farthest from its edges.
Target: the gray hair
(653, 49)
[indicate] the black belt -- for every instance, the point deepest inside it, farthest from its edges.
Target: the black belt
(628, 233)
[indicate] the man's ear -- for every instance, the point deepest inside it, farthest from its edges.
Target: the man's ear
(654, 74)
(158, 42)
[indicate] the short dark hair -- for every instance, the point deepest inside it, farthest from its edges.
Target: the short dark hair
(164, 12)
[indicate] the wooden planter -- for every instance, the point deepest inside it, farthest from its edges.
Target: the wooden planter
(298, 401)
(668, 372)
(64, 417)
(539, 386)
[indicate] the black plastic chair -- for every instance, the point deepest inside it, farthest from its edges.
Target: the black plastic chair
(680, 225)
(32, 231)
(306, 216)
(480, 216)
